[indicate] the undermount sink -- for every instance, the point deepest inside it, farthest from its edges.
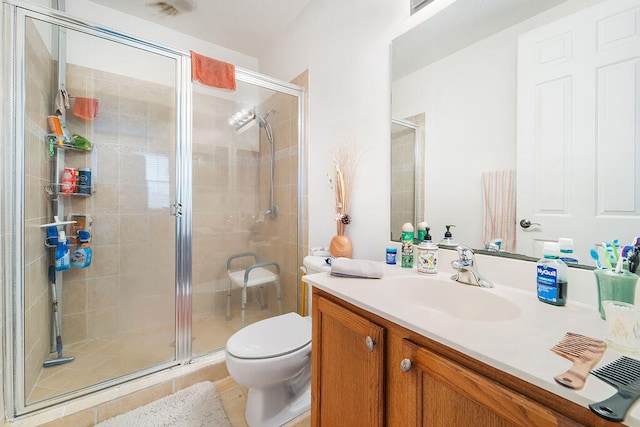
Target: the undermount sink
(464, 302)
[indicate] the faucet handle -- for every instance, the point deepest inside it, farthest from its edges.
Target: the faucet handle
(465, 253)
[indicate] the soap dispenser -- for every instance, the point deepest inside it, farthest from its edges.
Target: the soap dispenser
(427, 260)
(448, 237)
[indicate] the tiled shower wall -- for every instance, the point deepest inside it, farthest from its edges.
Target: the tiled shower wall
(283, 233)
(130, 283)
(224, 198)
(40, 78)
(231, 194)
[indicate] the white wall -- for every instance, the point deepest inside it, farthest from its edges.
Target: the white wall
(346, 47)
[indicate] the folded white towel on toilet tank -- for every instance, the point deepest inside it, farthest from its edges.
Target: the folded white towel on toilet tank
(363, 268)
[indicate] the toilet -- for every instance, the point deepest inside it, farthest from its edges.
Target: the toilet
(272, 358)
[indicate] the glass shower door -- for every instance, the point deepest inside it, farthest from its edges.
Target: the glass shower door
(117, 317)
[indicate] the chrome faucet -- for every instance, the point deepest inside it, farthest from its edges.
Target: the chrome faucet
(466, 269)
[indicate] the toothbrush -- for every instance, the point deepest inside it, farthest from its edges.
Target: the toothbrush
(619, 265)
(608, 254)
(615, 244)
(596, 258)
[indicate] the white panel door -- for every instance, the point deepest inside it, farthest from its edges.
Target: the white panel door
(579, 129)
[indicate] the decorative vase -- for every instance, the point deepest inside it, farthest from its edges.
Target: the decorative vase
(340, 246)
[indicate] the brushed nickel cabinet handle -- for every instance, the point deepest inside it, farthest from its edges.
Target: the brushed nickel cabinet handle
(405, 365)
(369, 342)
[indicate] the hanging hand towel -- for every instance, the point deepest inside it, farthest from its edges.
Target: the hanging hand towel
(363, 268)
(61, 102)
(212, 72)
(85, 108)
(500, 208)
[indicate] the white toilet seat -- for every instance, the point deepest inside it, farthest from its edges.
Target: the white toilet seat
(271, 337)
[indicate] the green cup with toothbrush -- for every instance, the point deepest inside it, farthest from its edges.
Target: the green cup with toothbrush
(614, 284)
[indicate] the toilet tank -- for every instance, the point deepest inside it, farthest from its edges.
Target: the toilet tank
(311, 265)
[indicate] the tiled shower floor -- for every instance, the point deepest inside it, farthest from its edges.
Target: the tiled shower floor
(100, 360)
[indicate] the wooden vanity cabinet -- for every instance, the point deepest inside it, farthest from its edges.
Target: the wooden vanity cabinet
(410, 380)
(449, 394)
(347, 368)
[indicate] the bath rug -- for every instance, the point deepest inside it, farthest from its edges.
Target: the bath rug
(196, 406)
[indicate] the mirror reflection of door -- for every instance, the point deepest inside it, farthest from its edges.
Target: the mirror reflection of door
(578, 144)
(407, 173)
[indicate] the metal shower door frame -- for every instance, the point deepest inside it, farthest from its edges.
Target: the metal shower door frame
(12, 211)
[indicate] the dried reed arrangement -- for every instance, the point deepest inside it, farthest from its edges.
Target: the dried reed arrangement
(344, 168)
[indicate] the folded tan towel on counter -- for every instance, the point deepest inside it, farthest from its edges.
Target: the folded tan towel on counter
(363, 268)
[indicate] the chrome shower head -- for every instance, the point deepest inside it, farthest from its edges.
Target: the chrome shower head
(263, 118)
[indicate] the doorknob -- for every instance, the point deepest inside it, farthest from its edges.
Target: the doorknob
(525, 223)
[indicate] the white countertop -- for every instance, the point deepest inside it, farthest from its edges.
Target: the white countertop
(519, 346)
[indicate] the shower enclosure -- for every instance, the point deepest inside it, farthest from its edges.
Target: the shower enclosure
(176, 190)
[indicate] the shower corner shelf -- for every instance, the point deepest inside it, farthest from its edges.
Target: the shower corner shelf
(54, 188)
(54, 142)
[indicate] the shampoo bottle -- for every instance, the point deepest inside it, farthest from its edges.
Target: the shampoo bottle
(62, 253)
(407, 245)
(552, 276)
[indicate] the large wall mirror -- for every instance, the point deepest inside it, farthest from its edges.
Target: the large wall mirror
(531, 126)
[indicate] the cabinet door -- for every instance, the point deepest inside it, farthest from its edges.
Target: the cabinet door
(347, 364)
(449, 394)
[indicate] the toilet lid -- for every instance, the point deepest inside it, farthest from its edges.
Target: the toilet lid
(270, 337)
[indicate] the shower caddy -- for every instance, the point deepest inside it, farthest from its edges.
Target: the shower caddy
(56, 143)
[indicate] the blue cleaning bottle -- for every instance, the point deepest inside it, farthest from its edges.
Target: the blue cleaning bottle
(62, 253)
(82, 255)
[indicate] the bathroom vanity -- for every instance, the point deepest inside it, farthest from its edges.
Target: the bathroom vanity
(424, 350)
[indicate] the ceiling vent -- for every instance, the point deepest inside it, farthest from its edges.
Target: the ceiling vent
(416, 5)
(174, 7)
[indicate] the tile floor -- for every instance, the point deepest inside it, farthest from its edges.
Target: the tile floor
(234, 399)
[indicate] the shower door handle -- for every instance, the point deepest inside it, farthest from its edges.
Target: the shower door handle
(175, 209)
